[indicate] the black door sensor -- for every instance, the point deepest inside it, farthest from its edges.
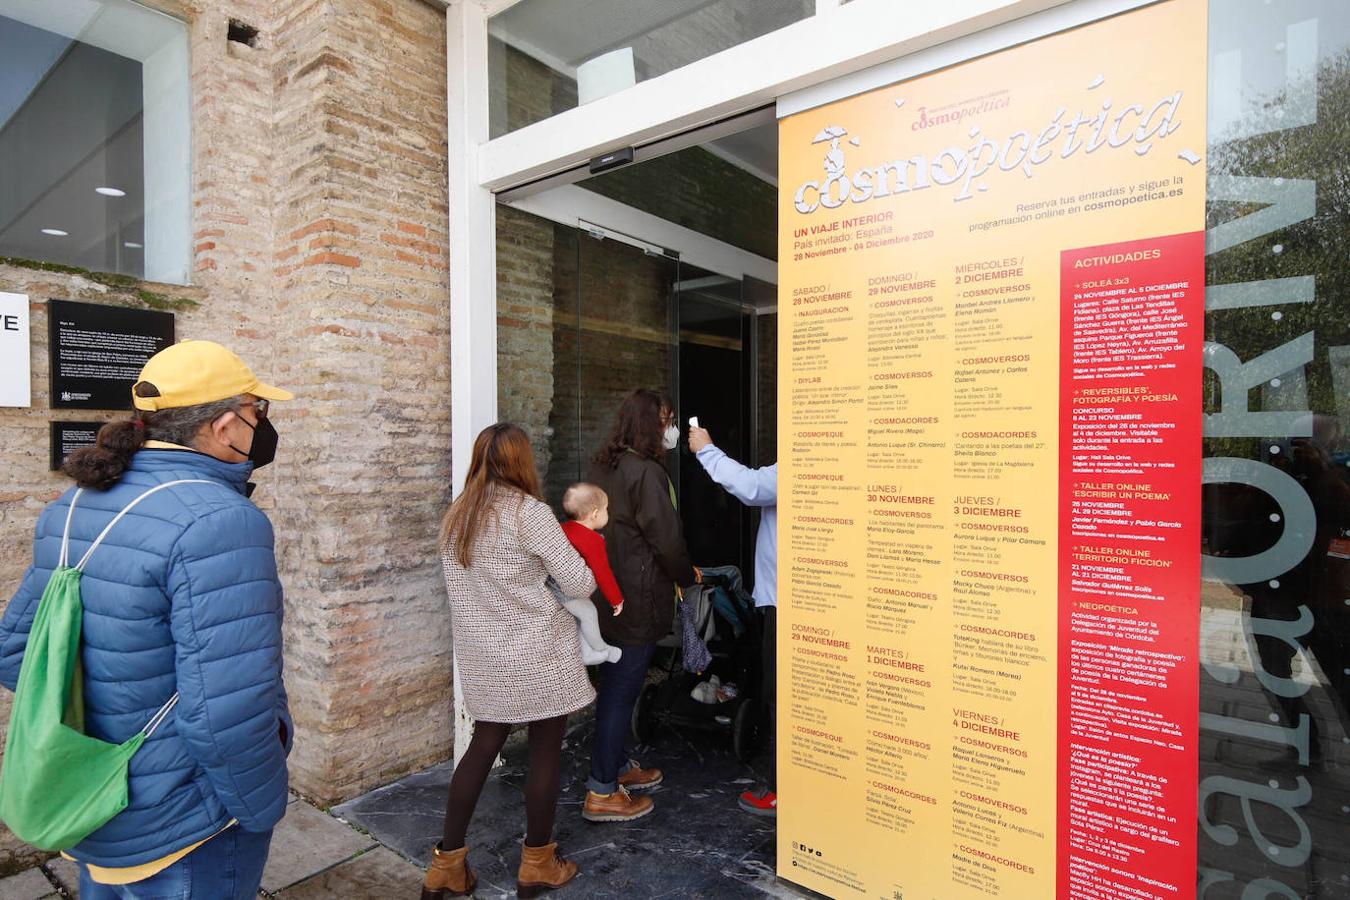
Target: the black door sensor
(611, 160)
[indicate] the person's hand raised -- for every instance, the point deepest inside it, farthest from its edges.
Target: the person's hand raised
(699, 438)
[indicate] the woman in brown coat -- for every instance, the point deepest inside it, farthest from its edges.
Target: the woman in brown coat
(516, 648)
(648, 555)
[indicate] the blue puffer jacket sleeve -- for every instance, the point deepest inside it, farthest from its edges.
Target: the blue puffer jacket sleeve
(226, 623)
(18, 621)
(283, 700)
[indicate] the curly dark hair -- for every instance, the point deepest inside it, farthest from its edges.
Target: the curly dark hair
(101, 466)
(637, 427)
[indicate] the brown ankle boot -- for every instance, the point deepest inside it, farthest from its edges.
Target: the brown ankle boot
(619, 806)
(449, 875)
(542, 869)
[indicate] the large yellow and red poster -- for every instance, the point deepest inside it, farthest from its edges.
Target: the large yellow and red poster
(991, 297)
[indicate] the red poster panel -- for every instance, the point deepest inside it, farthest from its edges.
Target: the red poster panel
(1131, 332)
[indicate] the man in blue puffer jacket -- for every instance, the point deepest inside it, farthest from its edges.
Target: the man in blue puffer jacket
(182, 596)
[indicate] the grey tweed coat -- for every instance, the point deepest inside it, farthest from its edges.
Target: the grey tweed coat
(517, 648)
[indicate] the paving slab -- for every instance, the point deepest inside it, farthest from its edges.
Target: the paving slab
(67, 873)
(697, 843)
(408, 815)
(27, 885)
(379, 874)
(307, 841)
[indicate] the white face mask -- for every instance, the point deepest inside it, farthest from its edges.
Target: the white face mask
(672, 438)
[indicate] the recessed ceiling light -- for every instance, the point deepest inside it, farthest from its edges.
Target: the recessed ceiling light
(133, 245)
(55, 232)
(110, 192)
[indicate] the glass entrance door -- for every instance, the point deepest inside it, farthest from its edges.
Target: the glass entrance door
(714, 365)
(589, 314)
(613, 331)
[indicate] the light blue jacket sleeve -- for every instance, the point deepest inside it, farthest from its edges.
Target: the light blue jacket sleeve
(753, 487)
(226, 624)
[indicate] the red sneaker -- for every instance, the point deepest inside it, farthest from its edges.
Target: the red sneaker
(764, 804)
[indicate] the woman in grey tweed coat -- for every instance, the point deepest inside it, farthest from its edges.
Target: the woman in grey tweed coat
(516, 647)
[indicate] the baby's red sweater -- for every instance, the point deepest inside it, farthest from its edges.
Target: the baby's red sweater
(591, 546)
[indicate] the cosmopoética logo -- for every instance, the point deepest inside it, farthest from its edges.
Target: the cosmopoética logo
(971, 169)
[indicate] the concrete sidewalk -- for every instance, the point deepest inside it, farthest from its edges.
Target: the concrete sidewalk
(314, 855)
(697, 844)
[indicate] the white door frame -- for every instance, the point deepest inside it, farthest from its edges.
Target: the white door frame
(575, 206)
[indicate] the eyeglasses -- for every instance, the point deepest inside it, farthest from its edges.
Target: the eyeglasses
(259, 406)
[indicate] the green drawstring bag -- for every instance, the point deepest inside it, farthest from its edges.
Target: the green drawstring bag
(58, 785)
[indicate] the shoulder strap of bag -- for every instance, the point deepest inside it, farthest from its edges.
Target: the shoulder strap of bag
(65, 535)
(158, 718)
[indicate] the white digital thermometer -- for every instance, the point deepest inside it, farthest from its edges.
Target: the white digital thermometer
(693, 421)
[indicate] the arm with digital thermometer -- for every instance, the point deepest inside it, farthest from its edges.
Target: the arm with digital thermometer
(698, 436)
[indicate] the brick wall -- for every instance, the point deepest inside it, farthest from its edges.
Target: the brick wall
(361, 273)
(525, 288)
(320, 255)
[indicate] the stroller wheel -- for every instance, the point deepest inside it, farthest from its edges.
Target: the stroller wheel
(747, 731)
(644, 715)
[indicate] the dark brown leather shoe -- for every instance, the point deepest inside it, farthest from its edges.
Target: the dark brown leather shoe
(640, 779)
(449, 875)
(542, 869)
(619, 806)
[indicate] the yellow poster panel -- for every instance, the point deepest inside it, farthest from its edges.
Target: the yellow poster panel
(936, 741)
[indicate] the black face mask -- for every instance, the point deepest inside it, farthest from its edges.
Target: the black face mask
(264, 448)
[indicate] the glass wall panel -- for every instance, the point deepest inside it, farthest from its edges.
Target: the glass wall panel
(537, 345)
(626, 334)
(1275, 626)
(584, 316)
(94, 137)
(547, 56)
(714, 385)
(581, 320)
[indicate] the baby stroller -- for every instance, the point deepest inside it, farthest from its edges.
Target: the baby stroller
(724, 618)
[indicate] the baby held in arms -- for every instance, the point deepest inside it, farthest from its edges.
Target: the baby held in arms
(587, 509)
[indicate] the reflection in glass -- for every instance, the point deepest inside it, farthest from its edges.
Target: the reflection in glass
(93, 137)
(1275, 739)
(625, 333)
(581, 320)
(547, 56)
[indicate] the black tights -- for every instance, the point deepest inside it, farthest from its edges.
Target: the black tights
(541, 781)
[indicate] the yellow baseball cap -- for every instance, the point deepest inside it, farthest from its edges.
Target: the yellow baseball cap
(196, 372)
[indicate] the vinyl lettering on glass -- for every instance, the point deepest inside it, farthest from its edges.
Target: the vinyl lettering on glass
(1274, 796)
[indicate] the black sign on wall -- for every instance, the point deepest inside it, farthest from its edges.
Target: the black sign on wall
(97, 352)
(67, 437)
